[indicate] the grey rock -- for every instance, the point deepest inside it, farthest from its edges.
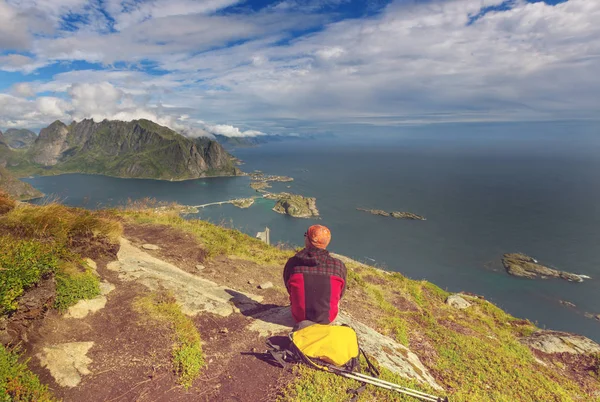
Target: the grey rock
(457, 301)
(266, 285)
(200, 267)
(561, 342)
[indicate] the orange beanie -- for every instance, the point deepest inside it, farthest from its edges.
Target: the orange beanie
(318, 236)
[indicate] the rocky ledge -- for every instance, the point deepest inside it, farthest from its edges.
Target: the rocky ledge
(294, 205)
(523, 266)
(395, 214)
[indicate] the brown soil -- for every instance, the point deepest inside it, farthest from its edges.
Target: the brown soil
(131, 356)
(33, 305)
(176, 247)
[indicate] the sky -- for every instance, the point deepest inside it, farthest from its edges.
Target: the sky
(246, 68)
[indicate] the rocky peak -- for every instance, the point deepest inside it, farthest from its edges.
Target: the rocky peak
(114, 147)
(47, 148)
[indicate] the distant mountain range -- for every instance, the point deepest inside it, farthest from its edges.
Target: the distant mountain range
(10, 184)
(240, 142)
(19, 138)
(136, 149)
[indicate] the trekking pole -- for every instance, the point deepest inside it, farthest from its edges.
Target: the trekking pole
(391, 387)
(379, 380)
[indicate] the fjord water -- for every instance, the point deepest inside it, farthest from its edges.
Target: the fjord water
(485, 190)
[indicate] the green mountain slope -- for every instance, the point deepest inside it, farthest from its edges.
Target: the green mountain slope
(139, 148)
(19, 138)
(15, 187)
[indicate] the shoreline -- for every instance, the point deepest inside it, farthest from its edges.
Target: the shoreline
(128, 178)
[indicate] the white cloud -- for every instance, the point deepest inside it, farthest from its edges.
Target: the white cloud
(23, 89)
(412, 62)
(231, 131)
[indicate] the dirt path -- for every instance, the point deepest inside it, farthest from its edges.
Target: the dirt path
(114, 353)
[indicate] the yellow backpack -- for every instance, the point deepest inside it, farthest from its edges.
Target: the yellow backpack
(335, 349)
(331, 344)
(331, 348)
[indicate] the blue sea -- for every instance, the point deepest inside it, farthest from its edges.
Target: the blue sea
(485, 189)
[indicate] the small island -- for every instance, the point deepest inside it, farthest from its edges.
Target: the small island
(394, 214)
(524, 266)
(243, 202)
(294, 205)
(260, 181)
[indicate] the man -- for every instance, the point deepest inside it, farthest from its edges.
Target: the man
(315, 281)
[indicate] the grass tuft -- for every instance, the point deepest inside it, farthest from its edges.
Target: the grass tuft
(188, 358)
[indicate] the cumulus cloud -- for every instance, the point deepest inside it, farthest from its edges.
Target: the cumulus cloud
(23, 89)
(231, 131)
(441, 60)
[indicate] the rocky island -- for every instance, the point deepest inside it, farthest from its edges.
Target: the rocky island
(524, 266)
(394, 214)
(260, 181)
(294, 205)
(243, 202)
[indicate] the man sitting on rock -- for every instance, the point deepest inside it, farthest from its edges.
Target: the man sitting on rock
(315, 280)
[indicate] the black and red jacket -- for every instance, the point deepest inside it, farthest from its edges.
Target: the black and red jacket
(316, 282)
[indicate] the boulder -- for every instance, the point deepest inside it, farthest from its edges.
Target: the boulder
(266, 285)
(457, 301)
(560, 342)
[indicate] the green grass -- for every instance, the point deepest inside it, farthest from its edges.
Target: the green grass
(23, 263)
(188, 358)
(17, 383)
(313, 385)
(37, 243)
(73, 285)
(216, 240)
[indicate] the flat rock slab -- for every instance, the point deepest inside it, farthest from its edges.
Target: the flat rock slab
(193, 293)
(390, 354)
(561, 342)
(150, 247)
(85, 307)
(67, 362)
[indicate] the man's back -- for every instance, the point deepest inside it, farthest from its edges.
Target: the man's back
(316, 282)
